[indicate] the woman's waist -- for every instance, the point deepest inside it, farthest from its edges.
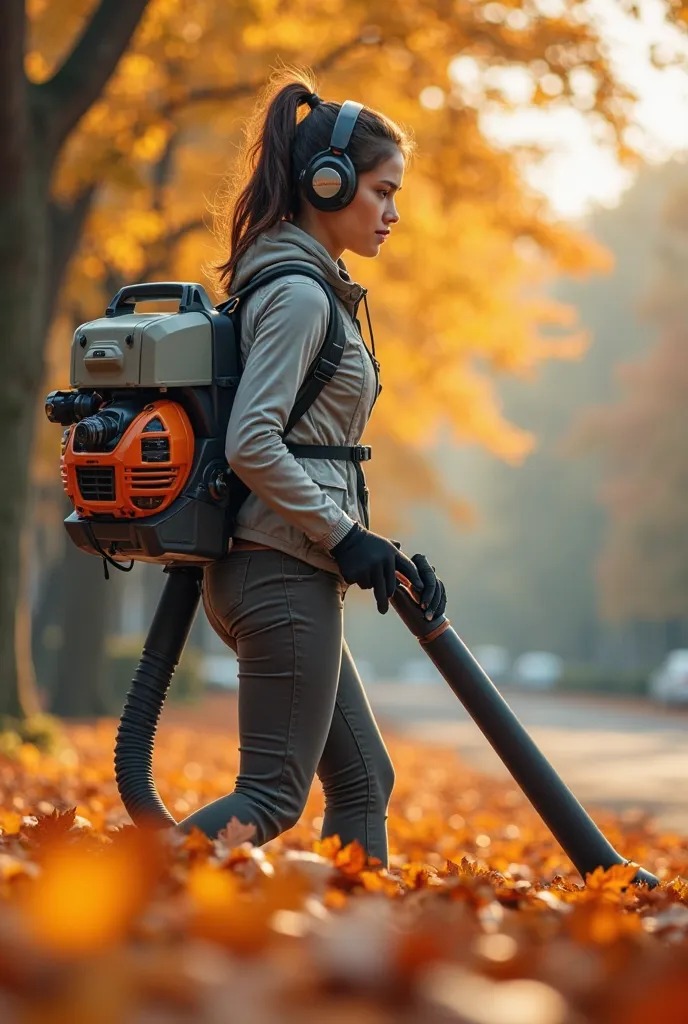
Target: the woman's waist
(292, 546)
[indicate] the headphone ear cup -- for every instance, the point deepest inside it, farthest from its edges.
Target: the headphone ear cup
(329, 181)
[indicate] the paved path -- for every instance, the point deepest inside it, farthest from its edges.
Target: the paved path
(612, 753)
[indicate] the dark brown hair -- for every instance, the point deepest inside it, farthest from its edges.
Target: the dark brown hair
(281, 136)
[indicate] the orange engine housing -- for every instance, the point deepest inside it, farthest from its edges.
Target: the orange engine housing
(124, 483)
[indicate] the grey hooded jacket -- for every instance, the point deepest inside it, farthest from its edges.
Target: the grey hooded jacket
(300, 506)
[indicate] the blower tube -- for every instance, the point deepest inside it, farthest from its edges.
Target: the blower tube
(136, 733)
(571, 826)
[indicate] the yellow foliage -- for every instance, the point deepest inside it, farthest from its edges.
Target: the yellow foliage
(149, 146)
(37, 68)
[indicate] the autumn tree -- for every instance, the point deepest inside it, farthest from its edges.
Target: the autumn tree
(455, 300)
(539, 527)
(643, 568)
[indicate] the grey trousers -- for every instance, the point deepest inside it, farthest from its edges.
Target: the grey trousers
(302, 706)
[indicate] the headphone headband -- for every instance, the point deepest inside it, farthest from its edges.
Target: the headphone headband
(344, 125)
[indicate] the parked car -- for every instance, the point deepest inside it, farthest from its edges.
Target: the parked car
(668, 684)
(537, 670)
(494, 660)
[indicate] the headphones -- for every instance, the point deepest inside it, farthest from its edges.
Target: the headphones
(329, 179)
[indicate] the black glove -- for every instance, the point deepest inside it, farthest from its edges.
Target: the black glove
(371, 561)
(434, 596)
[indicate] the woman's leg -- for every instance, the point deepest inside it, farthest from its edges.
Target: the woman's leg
(284, 620)
(355, 770)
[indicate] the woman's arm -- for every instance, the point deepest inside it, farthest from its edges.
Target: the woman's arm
(290, 327)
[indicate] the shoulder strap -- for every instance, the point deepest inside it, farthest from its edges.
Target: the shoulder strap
(324, 366)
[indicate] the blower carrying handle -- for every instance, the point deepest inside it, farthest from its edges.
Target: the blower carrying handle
(193, 297)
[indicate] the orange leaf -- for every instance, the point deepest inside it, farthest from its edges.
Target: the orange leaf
(235, 833)
(328, 847)
(10, 822)
(352, 859)
(50, 827)
(83, 903)
(198, 844)
(614, 881)
(378, 881)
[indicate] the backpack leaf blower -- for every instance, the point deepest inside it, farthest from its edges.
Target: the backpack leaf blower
(144, 466)
(143, 463)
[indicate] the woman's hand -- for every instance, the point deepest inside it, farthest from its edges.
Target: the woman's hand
(433, 599)
(372, 562)
(432, 595)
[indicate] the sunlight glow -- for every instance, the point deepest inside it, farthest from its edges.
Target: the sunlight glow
(580, 169)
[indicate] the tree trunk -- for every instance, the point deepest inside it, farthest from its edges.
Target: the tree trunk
(35, 121)
(29, 697)
(88, 600)
(71, 624)
(23, 263)
(47, 626)
(15, 453)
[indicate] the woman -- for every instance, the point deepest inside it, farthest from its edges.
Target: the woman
(277, 598)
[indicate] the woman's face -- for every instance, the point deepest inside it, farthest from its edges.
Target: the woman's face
(361, 227)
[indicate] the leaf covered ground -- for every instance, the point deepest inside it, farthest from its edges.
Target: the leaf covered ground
(479, 919)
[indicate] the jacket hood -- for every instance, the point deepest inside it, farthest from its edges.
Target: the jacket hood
(285, 242)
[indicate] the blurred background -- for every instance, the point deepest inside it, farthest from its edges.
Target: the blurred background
(530, 315)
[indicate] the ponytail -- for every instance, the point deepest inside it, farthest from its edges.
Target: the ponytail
(280, 140)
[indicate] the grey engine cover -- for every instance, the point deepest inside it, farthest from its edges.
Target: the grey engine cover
(143, 350)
